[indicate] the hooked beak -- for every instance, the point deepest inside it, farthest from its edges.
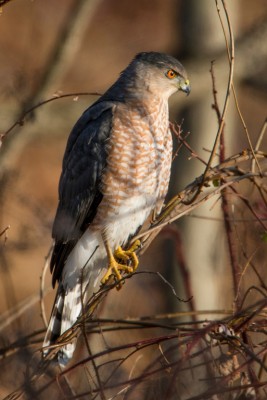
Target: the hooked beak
(185, 87)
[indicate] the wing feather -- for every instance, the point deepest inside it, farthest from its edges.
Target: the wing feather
(80, 182)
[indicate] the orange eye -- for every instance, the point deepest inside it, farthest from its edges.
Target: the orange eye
(171, 74)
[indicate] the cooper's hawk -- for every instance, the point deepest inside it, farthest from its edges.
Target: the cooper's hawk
(116, 171)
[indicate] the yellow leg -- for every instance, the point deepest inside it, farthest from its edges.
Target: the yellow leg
(115, 267)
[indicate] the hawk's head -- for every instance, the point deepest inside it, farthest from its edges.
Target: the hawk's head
(157, 73)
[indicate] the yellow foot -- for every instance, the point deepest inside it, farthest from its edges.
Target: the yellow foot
(115, 267)
(128, 255)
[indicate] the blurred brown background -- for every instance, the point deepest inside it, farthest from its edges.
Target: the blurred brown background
(58, 47)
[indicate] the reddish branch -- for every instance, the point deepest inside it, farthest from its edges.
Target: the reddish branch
(226, 204)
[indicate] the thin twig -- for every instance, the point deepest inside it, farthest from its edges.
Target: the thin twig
(42, 286)
(225, 107)
(177, 131)
(21, 120)
(225, 205)
(258, 143)
(4, 232)
(232, 85)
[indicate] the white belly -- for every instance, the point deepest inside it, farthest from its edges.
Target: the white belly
(89, 254)
(130, 215)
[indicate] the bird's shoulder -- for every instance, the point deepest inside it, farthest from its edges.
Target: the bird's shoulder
(92, 125)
